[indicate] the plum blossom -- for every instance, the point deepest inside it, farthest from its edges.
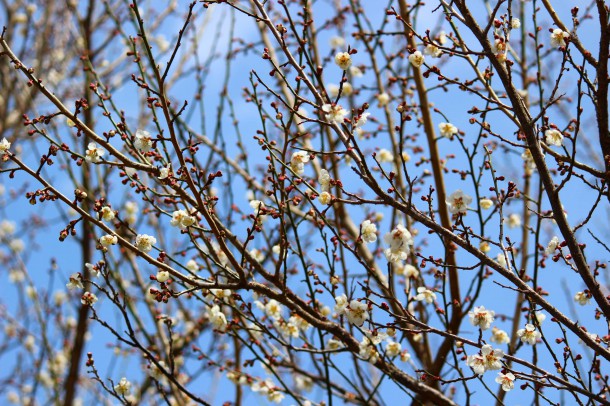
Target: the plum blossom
(425, 294)
(433, 51)
(107, 213)
(298, 161)
(324, 180)
(5, 145)
(514, 220)
(481, 317)
(108, 240)
(334, 113)
(88, 299)
(458, 202)
(399, 240)
(487, 360)
(144, 242)
(369, 231)
(325, 198)
(392, 348)
(385, 156)
(515, 23)
(383, 99)
(529, 334)
(486, 203)
(506, 380)
(163, 276)
(582, 298)
(553, 137)
(76, 281)
(362, 119)
(164, 172)
(416, 59)
(123, 387)
(447, 130)
(143, 140)
(343, 60)
(94, 154)
(553, 244)
(182, 219)
(217, 318)
(337, 42)
(357, 312)
(499, 336)
(558, 38)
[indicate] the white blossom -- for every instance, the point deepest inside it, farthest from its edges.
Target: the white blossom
(514, 220)
(182, 219)
(164, 172)
(447, 130)
(425, 294)
(334, 113)
(325, 198)
(433, 51)
(357, 312)
(362, 119)
(499, 336)
(458, 202)
(88, 299)
(416, 59)
(94, 153)
(506, 380)
(515, 23)
(217, 318)
(108, 240)
(383, 99)
(399, 240)
(368, 231)
(162, 276)
(558, 38)
(337, 42)
(145, 242)
(486, 203)
(343, 60)
(123, 387)
(553, 137)
(4, 146)
(481, 317)
(384, 156)
(392, 348)
(75, 282)
(529, 334)
(298, 161)
(552, 246)
(582, 298)
(143, 140)
(107, 213)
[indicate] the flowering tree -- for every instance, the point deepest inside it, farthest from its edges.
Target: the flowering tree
(279, 199)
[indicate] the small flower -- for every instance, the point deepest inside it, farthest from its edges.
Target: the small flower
(325, 198)
(458, 202)
(143, 141)
(392, 349)
(144, 242)
(107, 213)
(501, 259)
(553, 244)
(529, 334)
(416, 59)
(340, 304)
(425, 294)
(405, 356)
(477, 363)
(123, 387)
(384, 156)
(447, 129)
(4, 146)
(108, 240)
(217, 318)
(164, 172)
(334, 113)
(273, 309)
(88, 299)
(408, 271)
(399, 240)
(499, 336)
(163, 276)
(514, 220)
(337, 42)
(94, 154)
(368, 231)
(298, 161)
(558, 38)
(324, 180)
(506, 380)
(484, 247)
(75, 282)
(485, 203)
(515, 23)
(361, 120)
(343, 60)
(553, 137)
(582, 298)
(357, 312)
(355, 72)
(182, 219)
(383, 99)
(492, 358)
(481, 317)
(433, 51)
